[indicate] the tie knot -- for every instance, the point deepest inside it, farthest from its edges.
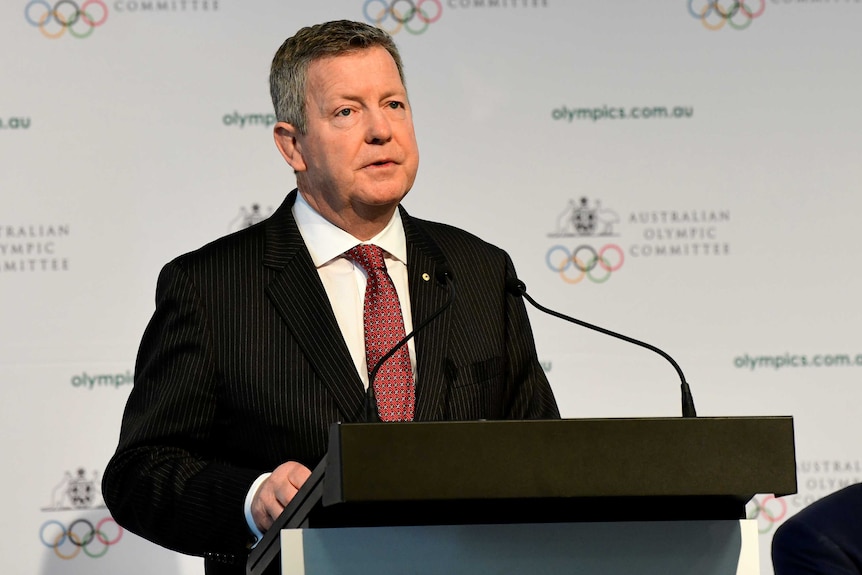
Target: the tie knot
(369, 256)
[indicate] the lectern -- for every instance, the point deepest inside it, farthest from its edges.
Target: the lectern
(538, 472)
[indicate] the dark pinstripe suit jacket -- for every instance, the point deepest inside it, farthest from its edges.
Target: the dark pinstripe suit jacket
(243, 367)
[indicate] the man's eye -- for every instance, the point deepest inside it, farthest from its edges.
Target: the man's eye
(345, 112)
(396, 105)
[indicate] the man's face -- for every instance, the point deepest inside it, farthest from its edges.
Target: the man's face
(359, 156)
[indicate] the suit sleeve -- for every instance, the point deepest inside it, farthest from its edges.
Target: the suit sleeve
(166, 481)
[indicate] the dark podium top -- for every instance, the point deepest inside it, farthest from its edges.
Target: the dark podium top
(539, 472)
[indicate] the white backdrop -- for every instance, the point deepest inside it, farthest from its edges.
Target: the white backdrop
(716, 171)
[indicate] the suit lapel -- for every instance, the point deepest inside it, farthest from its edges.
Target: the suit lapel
(426, 296)
(298, 295)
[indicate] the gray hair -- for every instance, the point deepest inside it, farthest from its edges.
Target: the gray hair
(289, 71)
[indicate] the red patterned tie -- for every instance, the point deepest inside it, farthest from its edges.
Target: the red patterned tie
(384, 327)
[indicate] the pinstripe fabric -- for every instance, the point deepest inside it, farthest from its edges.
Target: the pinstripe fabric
(243, 367)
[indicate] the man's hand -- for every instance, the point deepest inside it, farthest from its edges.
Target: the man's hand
(276, 492)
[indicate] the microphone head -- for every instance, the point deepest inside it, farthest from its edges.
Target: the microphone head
(515, 286)
(443, 273)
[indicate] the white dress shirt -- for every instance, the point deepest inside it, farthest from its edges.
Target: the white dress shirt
(344, 282)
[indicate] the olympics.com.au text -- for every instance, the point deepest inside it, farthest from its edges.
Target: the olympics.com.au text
(789, 360)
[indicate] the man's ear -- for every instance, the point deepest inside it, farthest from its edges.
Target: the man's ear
(285, 136)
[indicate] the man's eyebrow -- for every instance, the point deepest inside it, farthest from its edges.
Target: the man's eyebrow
(397, 93)
(349, 97)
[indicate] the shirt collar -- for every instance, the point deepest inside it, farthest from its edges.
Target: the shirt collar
(326, 241)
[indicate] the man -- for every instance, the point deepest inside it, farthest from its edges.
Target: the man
(258, 340)
(825, 538)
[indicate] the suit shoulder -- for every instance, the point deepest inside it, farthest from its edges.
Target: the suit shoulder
(240, 245)
(451, 238)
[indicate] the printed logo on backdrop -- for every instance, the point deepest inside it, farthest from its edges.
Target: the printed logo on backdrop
(819, 478)
(102, 380)
(79, 523)
(595, 258)
(248, 217)
(14, 123)
(165, 6)
(79, 19)
(771, 362)
(237, 120)
(816, 479)
(670, 233)
(598, 241)
(769, 511)
(55, 19)
(715, 14)
(416, 16)
(33, 248)
(614, 112)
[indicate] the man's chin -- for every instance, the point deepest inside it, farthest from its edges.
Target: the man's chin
(376, 210)
(382, 197)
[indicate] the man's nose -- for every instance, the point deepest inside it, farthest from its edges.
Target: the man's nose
(379, 130)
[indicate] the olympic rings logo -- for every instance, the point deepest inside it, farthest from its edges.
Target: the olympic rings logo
(67, 542)
(573, 266)
(403, 16)
(770, 512)
(66, 15)
(714, 16)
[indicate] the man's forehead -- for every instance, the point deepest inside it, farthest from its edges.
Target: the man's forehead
(339, 72)
(353, 54)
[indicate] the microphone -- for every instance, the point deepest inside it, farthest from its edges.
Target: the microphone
(444, 276)
(518, 288)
